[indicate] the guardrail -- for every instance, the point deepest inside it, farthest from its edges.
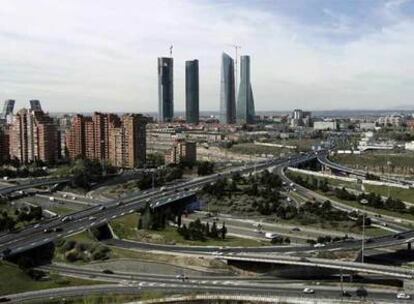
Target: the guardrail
(257, 299)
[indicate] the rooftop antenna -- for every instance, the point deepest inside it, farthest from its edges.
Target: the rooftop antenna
(236, 49)
(171, 49)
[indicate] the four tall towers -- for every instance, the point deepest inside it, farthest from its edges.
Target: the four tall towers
(191, 92)
(245, 112)
(165, 89)
(227, 90)
(245, 101)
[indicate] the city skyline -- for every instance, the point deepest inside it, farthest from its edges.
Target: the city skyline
(320, 56)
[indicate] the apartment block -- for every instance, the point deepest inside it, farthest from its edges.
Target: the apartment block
(181, 151)
(33, 137)
(106, 137)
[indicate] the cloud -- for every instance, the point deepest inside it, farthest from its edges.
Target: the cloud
(101, 55)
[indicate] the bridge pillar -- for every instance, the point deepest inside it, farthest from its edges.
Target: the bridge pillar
(409, 246)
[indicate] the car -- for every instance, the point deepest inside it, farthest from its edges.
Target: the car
(181, 277)
(295, 229)
(58, 229)
(107, 271)
(403, 296)
(66, 219)
(4, 299)
(308, 290)
(319, 245)
(47, 230)
(102, 208)
(346, 294)
(92, 218)
(36, 226)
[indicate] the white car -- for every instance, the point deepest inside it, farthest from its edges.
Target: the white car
(308, 290)
(403, 296)
(319, 245)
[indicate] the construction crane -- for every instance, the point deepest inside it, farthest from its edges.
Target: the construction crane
(236, 49)
(171, 49)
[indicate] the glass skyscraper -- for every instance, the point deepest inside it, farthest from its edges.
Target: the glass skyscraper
(165, 89)
(35, 105)
(227, 91)
(7, 108)
(191, 91)
(245, 102)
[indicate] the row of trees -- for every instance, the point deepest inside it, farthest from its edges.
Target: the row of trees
(160, 177)
(374, 200)
(311, 183)
(79, 251)
(197, 231)
(23, 172)
(22, 215)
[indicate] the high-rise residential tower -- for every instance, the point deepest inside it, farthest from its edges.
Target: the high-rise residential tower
(7, 108)
(191, 92)
(33, 136)
(165, 89)
(227, 91)
(245, 101)
(35, 105)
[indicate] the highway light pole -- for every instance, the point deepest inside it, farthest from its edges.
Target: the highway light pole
(364, 202)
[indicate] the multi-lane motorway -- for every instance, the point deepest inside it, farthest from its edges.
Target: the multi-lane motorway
(136, 283)
(53, 229)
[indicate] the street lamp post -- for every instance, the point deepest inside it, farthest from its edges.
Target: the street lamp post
(364, 202)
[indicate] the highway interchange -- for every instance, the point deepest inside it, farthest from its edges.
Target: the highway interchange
(60, 227)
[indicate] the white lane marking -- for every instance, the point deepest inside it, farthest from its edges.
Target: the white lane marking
(114, 216)
(130, 211)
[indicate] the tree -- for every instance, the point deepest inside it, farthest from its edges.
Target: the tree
(214, 230)
(205, 168)
(223, 231)
(361, 292)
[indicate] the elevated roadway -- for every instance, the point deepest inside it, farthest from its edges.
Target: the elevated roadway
(324, 160)
(33, 184)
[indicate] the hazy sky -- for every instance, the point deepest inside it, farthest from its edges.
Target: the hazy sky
(85, 55)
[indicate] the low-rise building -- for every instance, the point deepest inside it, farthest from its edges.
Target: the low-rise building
(325, 125)
(182, 152)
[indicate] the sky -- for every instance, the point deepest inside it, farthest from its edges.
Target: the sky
(88, 55)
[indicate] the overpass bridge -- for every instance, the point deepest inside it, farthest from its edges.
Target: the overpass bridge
(388, 271)
(324, 160)
(33, 184)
